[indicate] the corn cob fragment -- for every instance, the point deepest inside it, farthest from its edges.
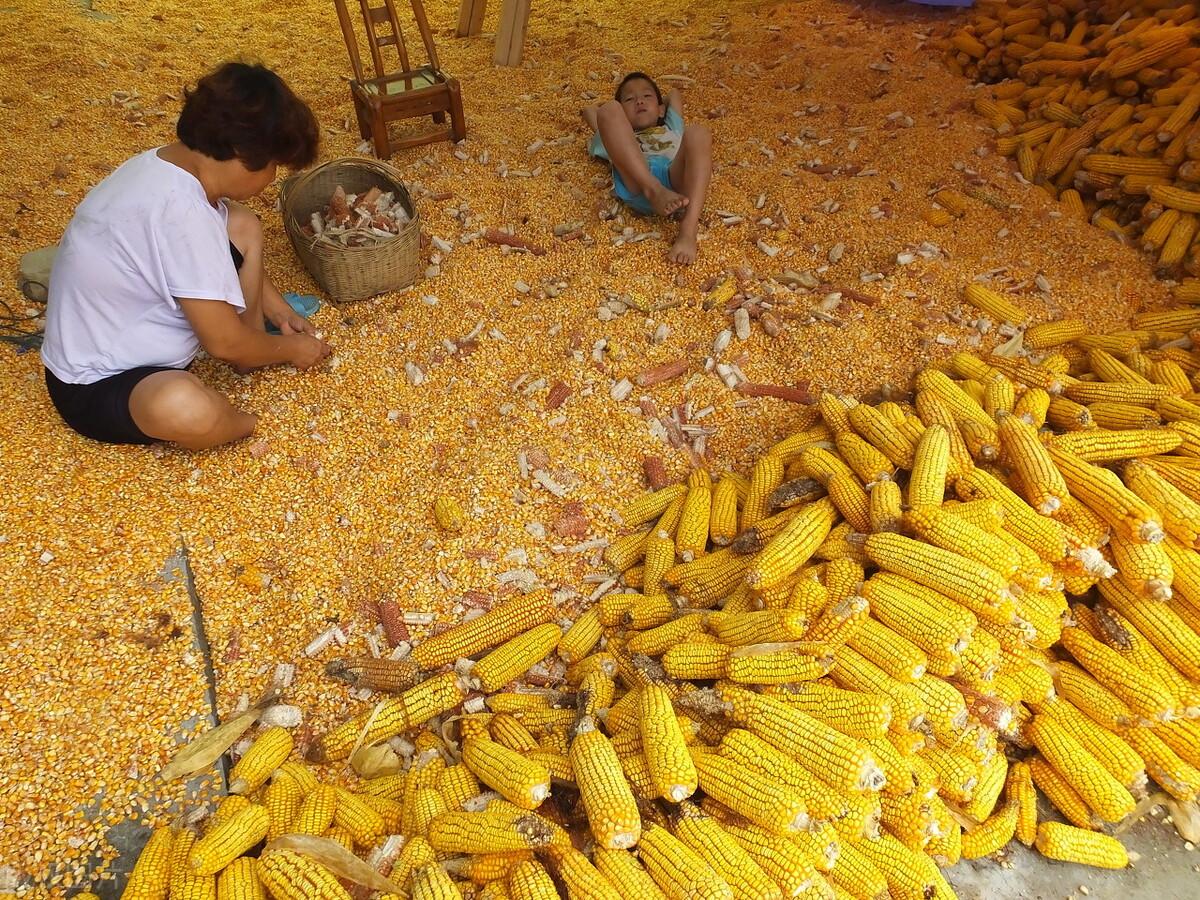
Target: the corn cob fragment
(291, 876)
(1090, 848)
(448, 514)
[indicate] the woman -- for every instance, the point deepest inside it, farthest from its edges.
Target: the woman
(160, 261)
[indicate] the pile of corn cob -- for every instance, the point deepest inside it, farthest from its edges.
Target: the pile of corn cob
(830, 677)
(1099, 109)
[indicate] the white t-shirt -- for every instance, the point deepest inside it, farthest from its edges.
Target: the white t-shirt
(141, 238)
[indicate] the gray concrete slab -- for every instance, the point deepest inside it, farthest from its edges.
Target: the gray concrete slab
(1166, 870)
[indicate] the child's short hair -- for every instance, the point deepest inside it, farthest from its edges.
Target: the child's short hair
(635, 76)
(245, 111)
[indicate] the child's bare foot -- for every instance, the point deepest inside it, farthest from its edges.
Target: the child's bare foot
(684, 250)
(665, 201)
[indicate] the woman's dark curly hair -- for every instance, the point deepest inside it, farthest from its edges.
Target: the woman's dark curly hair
(245, 111)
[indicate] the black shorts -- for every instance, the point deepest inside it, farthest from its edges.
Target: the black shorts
(100, 410)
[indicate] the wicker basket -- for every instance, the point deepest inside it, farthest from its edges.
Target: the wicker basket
(351, 273)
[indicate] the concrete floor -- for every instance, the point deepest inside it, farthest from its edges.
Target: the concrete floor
(1167, 870)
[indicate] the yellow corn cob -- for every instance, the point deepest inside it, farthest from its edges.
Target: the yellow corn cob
(681, 872)
(582, 880)
(775, 807)
(973, 584)
(662, 638)
(659, 557)
(952, 201)
(752, 752)
(691, 536)
(652, 505)
(723, 515)
(611, 808)
(316, 812)
(229, 840)
(1041, 482)
(1067, 415)
(1190, 432)
(941, 528)
(414, 707)
(1033, 406)
(841, 760)
(765, 477)
(430, 882)
(627, 551)
(879, 432)
(1111, 751)
(1176, 409)
(488, 867)
(1043, 535)
(866, 462)
(1107, 367)
(282, 800)
(1091, 697)
(269, 750)
(505, 621)
(993, 304)
(937, 217)
(389, 810)
(515, 657)
(448, 514)
(491, 831)
(855, 714)
(779, 857)
(1051, 334)
(893, 653)
(884, 509)
(999, 396)
(705, 837)
(1145, 568)
(792, 547)
(584, 633)
(694, 660)
(1099, 445)
(1170, 373)
(151, 875)
(239, 881)
(931, 462)
(622, 867)
(1102, 492)
(358, 817)
(1122, 416)
(838, 622)
(992, 834)
(857, 875)
(775, 664)
(291, 876)
(1117, 392)
(508, 772)
(850, 499)
(820, 464)
(415, 853)
(934, 411)
(843, 578)
(664, 746)
(1161, 626)
(1099, 789)
(1067, 844)
(1022, 795)
(908, 873)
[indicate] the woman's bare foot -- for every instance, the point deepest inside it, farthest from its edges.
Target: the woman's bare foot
(684, 250)
(665, 201)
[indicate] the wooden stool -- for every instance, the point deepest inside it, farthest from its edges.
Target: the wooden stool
(406, 94)
(510, 32)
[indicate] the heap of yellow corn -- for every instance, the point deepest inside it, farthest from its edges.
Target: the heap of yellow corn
(1098, 104)
(829, 677)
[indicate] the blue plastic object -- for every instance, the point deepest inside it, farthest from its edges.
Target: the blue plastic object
(304, 305)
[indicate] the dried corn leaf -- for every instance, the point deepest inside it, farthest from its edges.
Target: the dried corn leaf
(336, 858)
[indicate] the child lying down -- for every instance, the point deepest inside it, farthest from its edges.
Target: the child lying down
(660, 167)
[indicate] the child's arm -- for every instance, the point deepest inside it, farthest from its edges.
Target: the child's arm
(675, 100)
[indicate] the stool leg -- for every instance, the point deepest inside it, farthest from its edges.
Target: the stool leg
(458, 122)
(364, 123)
(439, 118)
(379, 135)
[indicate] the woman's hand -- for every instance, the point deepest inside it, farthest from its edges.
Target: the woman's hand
(306, 351)
(283, 317)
